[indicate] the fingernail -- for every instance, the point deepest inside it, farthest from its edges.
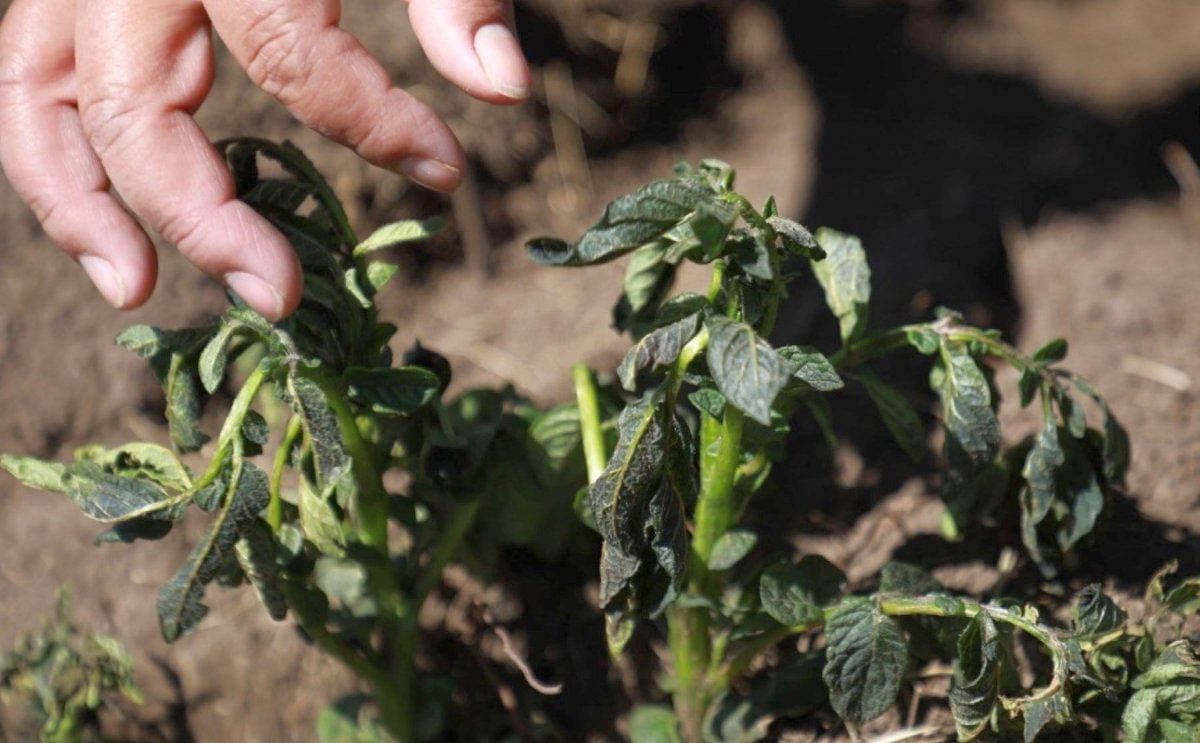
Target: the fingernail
(105, 277)
(256, 292)
(500, 54)
(431, 173)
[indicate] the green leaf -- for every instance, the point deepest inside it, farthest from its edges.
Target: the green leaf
(555, 445)
(128, 532)
(347, 721)
(796, 238)
(971, 424)
(748, 372)
(653, 724)
(256, 556)
(897, 414)
(811, 368)
(1081, 491)
(731, 548)
(320, 522)
(795, 594)
(924, 339)
(630, 222)
(392, 391)
(708, 401)
(1094, 613)
(657, 348)
(380, 273)
(648, 278)
(866, 657)
(321, 429)
(181, 383)
(180, 602)
(110, 498)
(35, 473)
(287, 195)
(1041, 470)
(1055, 708)
(846, 279)
(1051, 353)
(908, 580)
(976, 685)
(404, 231)
(255, 433)
(1028, 386)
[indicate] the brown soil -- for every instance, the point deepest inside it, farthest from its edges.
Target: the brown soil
(1003, 158)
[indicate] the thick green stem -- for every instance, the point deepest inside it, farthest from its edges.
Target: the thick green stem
(716, 508)
(689, 642)
(590, 425)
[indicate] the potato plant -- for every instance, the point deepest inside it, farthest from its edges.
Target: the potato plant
(65, 675)
(705, 410)
(316, 529)
(343, 480)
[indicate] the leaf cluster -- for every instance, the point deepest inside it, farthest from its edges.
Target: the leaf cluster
(706, 407)
(66, 675)
(319, 408)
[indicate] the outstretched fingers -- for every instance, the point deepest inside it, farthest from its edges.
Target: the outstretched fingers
(49, 162)
(144, 67)
(296, 52)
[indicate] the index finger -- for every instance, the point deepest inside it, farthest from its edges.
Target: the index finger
(296, 52)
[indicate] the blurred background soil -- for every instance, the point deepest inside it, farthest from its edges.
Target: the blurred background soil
(1005, 157)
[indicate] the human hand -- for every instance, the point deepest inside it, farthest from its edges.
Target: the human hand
(96, 93)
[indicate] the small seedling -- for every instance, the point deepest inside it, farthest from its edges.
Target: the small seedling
(66, 675)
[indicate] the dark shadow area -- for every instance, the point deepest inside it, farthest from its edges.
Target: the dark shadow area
(926, 162)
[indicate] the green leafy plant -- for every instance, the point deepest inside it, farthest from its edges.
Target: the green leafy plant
(316, 530)
(66, 675)
(705, 408)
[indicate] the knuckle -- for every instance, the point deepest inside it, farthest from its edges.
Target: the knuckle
(47, 209)
(278, 60)
(109, 112)
(16, 73)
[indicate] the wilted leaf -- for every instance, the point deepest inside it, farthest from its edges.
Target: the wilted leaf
(320, 429)
(35, 473)
(1094, 613)
(180, 606)
(976, 685)
(971, 424)
(630, 222)
(256, 557)
(657, 348)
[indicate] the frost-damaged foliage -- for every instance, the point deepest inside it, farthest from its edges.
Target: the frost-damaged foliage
(706, 409)
(312, 527)
(65, 675)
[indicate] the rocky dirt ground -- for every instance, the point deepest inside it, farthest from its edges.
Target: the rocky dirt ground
(1001, 156)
